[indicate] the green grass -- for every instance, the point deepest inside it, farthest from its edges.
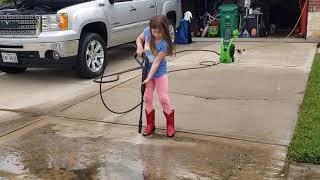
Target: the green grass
(5, 1)
(305, 145)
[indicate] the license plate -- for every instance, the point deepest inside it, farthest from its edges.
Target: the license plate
(9, 57)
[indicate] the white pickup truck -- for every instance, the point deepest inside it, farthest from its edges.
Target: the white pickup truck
(46, 33)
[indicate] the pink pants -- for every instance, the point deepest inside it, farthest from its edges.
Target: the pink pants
(161, 84)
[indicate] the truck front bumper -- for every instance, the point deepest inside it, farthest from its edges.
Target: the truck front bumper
(35, 54)
(64, 49)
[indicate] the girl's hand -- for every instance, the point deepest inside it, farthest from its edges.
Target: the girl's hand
(146, 81)
(140, 51)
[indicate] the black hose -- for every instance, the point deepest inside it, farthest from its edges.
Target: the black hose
(114, 80)
(203, 64)
(197, 50)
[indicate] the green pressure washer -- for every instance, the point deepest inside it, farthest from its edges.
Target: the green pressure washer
(227, 46)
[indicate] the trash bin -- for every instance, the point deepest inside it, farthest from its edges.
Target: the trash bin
(230, 13)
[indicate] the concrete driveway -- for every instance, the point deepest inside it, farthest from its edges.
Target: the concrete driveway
(234, 121)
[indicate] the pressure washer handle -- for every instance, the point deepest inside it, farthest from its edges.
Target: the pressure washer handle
(136, 57)
(145, 67)
(144, 63)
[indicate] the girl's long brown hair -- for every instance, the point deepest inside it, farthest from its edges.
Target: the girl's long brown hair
(161, 22)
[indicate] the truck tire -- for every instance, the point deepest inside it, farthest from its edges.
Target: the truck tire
(92, 56)
(12, 70)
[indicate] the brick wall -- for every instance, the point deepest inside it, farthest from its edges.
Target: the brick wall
(314, 5)
(314, 20)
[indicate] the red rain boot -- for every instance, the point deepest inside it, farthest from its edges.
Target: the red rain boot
(170, 124)
(150, 123)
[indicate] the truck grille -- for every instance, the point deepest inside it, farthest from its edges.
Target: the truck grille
(19, 25)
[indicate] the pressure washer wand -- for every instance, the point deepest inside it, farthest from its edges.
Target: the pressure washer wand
(145, 65)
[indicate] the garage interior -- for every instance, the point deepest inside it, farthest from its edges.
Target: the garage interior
(263, 18)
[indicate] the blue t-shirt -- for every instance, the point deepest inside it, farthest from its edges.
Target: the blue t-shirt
(161, 46)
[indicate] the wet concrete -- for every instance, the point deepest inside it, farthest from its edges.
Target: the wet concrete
(10, 121)
(73, 149)
(303, 171)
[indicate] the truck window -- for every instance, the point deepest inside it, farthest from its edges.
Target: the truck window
(119, 1)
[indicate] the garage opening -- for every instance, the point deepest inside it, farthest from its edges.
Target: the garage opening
(282, 16)
(256, 18)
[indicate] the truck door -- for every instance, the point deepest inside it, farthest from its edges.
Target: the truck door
(122, 16)
(145, 10)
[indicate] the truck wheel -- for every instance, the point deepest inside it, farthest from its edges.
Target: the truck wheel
(12, 70)
(172, 29)
(92, 56)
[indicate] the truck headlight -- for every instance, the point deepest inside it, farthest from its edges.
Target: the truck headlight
(64, 22)
(55, 22)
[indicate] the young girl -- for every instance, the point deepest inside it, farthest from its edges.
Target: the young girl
(157, 45)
